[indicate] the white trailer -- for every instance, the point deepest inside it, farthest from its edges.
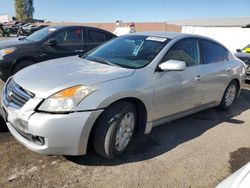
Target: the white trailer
(232, 37)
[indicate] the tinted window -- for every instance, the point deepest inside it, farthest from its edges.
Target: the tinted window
(96, 36)
(186, 50)
(108, 37)
(73, 36)
(212, 52)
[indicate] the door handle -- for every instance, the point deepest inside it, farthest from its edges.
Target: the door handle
(228, 69)
(78, 51)
(197, 78)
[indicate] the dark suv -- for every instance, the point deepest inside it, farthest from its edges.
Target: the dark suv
(48, 43)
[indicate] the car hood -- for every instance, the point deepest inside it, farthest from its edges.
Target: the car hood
(13, 43)
(241, 54)
(44, 79)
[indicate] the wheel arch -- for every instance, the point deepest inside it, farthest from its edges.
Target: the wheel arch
(142, 118)
(30, 58)
(238, 84)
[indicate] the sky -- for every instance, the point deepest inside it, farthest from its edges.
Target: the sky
(131, 10)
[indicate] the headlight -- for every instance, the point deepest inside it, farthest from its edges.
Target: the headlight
(6, 51)
(66, 100)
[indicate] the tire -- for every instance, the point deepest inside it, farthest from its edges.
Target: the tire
(229, 96)
(22, 64)
(112, 129)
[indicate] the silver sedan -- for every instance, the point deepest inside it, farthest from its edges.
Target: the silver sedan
(131, 83)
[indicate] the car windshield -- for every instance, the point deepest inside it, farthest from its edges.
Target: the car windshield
(41, 34)
(246, 49)
(131, 51)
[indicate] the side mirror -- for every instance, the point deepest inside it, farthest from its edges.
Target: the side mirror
(172, 65)
(51, 42)
(238, 50)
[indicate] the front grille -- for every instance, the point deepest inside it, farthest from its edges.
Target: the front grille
(15, 96)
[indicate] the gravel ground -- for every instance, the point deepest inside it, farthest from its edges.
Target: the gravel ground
(196, 151)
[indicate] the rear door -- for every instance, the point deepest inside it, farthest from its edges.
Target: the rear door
(215, 70)
(69, 42)
(95, 38)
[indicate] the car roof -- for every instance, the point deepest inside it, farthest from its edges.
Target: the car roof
(169, 35)
(77, 26)
(172, 35)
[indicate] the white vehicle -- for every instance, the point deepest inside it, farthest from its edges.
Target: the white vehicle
(122, 29)
(239, 179)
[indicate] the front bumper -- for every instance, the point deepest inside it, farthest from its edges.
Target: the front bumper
(63, 134)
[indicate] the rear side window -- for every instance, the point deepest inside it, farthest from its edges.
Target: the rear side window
(186, 50)
(212, 52)
(96, 36)
(109, 37)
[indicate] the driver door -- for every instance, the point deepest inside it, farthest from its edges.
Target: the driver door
(69, 42)
(179, 91)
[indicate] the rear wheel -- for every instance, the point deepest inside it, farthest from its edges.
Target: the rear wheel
(22, 64)
(115, 129)
(229, 96)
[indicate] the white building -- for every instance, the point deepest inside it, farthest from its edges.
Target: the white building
(234, 33)
(5, 18)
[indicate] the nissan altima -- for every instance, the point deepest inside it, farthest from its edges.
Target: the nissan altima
(131, 83)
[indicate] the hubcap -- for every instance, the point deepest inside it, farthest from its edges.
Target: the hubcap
(230, 95)
(125, 131)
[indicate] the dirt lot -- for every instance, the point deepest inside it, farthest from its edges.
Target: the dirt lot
(197, 151)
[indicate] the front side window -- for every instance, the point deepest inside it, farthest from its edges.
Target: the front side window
(186, 50)
(212, 52)
(129, 51)
(73, 36)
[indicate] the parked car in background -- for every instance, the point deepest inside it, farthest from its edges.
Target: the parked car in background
(26, 31)
(244, 55)
(36, 28)
(48, 43)
(133, 82)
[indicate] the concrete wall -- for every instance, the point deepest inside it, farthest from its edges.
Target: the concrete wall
(147, 26)
(232, 37)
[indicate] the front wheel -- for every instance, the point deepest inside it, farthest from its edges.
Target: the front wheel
(115, 129)
(229, 96)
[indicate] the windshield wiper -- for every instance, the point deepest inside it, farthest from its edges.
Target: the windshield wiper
(103, 61)
(21, 38)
